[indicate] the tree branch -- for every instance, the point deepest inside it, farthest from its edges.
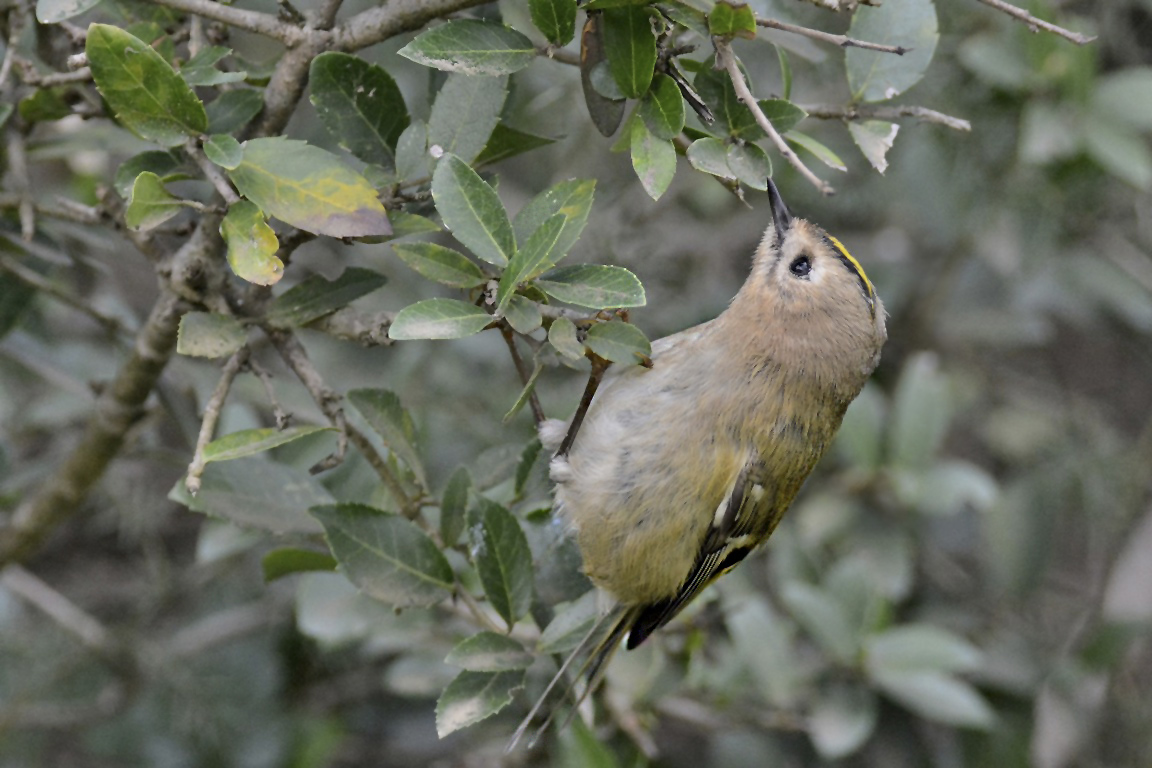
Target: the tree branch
(727, 59)
(827, 37)
(879, 112)
(1037, 24)
(211, 418)
(252, 21)
(384, 21)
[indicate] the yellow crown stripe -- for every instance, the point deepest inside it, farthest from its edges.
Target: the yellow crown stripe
(859, 269)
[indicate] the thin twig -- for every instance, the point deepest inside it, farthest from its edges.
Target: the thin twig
(31, 77)
(47, 287)
(283, 417)
(253, 21)
(477, 610)
(1036, 24)
(840, 40)
(212, 410)
(371, 330)
(18, 168)
(522, 369)
(69, 616)
(879, 112)
(211, 172)
(727, 59)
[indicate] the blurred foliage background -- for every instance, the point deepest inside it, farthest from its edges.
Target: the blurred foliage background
(965, 580)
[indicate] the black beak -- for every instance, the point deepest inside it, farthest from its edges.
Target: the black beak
(781, 219)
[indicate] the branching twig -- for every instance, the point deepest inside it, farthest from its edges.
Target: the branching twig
(283, 418)
(69, 616)
(840, 40)
(253, 21)
(879, 112)
(1037, 24)
(212, 411)
(211, 172)
(727, 59)
(47, 287)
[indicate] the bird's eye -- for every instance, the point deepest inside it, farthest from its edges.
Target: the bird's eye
(801, 266)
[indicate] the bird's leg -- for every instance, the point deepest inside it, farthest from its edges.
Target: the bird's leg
(599, 365)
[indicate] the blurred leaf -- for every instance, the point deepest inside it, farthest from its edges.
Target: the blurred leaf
(252, 245)
(474, 696)
(619, 342)
(581, 748)
(1125, 96)
(503, 562)
(255, 493)
(919, 648)
(438, 319)
(142, 89)
(385, 555)
(662, 108)
(527, 459)
(453, 506)
(946, 488)
(1120, 150)
(523, 314)
(729, 19)
(750, 164)
(316, 296)
(283, 562)
(1048, 133)
(874, 138)
(232, 110)
(444, 265)
(764, 643)
(822, 617)
(471, 47)
(489, 652)
(206, 334)
(248, 442)
(389, 419)
(878, 76)
(472, 212)
(939, 697)
(508, 142)
(570, 625)
(562, 336)
(163, 164)
(556, 19)
(533, 257)
(44, 105)
(1127, 597)
(224, 150)
(843, 718)
(56, 11)
(360, 105)
(465, 114)
(861, 435)
(653, 159)
(994, 60)
(309, 188)
(710, 156)
(150, 204)
(921, 412)
(593, 285)
(818, 150)
(630, 48)
(200, 70)
(16, 296)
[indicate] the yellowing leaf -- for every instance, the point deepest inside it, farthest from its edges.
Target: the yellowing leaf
(252, 244)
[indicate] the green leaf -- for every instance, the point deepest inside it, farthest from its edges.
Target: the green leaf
(360, 105)
(653, 159)
(438, 319)
(406, 224)
(201, 70)
(465, 114)
(453, 506)
(252, 244)
(783, 114)
(523, 314)
(471, 47)
(630, 48)
(605, 109)
(142, 89)
(940, 697)
(471, 211)
(248, 442)
(570, 625)
(1120, 150)
(309, 188)
(316, 296)
(877, 76)
(389, 419)
(921, 412)
(562, 336)
(385, 555)
(489, 652)
(874, 138)
(224, 150)
(556, 19)
(662, 108)
(232, 110)
(593, 285)
(750, 164)
(1125, 95)
(729, 20)
(254, 493)
(56, 11)
(525, 393)
(710, 156)
(732, 117)
(16, 296)
(818, 150)
(288, 560)
(823, 617)
(474, 696)
(412, 151)
(150, 204)
(207, 334)
(44, 105)
(842, 719)
(573, 198)
(503, 562)
(619, 342)
(508, 142)
(527, 459)
(444, 265)
(918, 648)
(532, 258)
(163, 164)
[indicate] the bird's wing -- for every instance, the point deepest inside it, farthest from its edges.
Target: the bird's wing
(747, 519)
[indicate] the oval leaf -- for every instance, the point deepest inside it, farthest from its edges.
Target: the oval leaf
(147, 96)
(531, 259)
(438, 319)
(877, 76)
(556, 19)
(920, 647)
(593, 285)
(206, 334)
(750, 164)
(317, 296)
(385, 555)
(710, 156)
(360, 105)
(662, 109)
(389, 419)
(573, 198)
(224, 150)
(453, 506)
(489, 652)
(309, 188)
(248, 442)
(55, 11)
(283, 562)
(473, 696)
(630, 48)
(252, 244)
(465, 114)
(874, 137)
(653, 159)
(471, 47)
(503, 562)
(472, 211)
(232, 110)
(619, 342)
(562, 336)
(255, 493)
(441, 264)
(150, 204)
(940, 697)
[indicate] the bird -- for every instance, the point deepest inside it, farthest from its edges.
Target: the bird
(680, 470)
